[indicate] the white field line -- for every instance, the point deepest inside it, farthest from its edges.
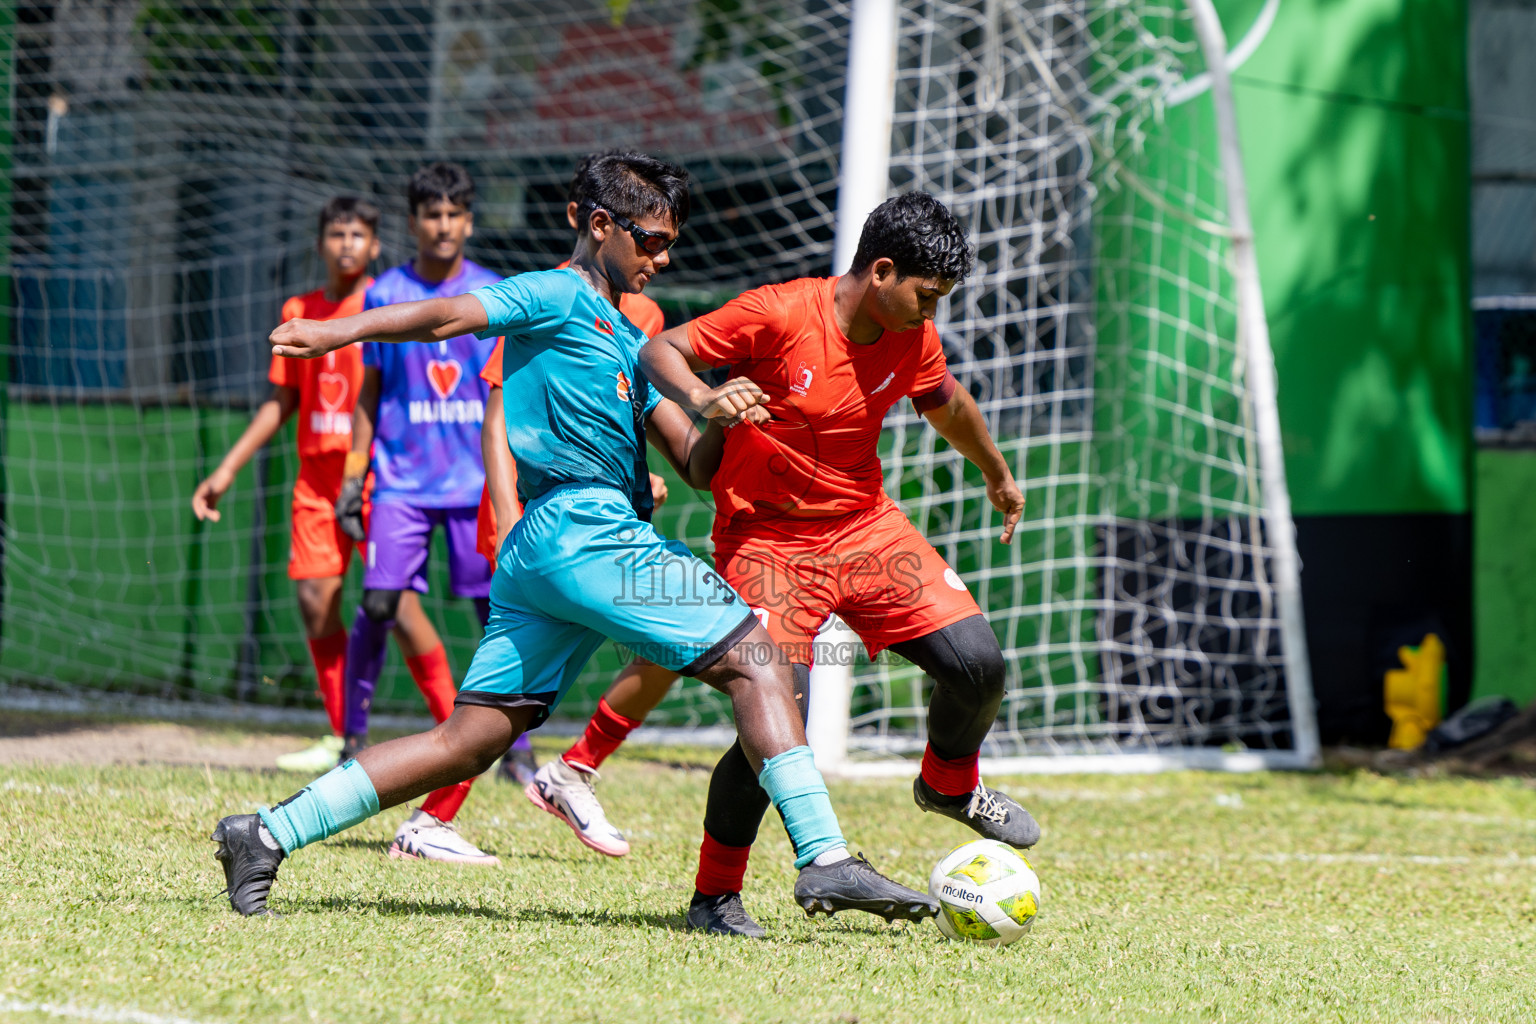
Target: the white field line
(1152, 857)
(92, 1013)
(1490, 860)
(18, 699)
(1468, 818)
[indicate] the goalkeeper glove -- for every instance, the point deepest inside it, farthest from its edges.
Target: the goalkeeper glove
(349, 506)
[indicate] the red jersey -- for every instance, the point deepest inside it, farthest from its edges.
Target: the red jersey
(327, 386)
(828, 397)
(637, 309)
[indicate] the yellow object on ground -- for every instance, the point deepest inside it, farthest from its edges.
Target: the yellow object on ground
(1415, 693)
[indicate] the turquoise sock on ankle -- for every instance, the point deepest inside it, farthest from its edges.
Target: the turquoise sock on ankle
(334, 802)
(798, 791)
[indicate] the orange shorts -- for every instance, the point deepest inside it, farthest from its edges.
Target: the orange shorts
(485, 527)
(871, 567)
(316, 546)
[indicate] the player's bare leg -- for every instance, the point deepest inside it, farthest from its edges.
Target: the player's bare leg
(252, 846)
(320, 605)
(637, 689)
(733, 812)
(566, 787)
(462, 747)
(413, 630)
(771, 737)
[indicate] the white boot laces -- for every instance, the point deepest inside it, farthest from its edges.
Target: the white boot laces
(984, 805)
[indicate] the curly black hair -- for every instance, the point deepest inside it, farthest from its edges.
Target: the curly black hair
(440, 180)
(919, 235)
(631, 185)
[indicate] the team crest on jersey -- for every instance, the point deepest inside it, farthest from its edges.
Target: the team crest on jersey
(444, 375)
(332, 390)
(621, 386)
(331, 393)
(800, 383)
(603, 325)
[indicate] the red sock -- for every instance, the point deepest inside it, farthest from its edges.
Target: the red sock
(435, 681)
(605, 731)
(444, 803)
(329, 653)
(721, 867)
(951, 778)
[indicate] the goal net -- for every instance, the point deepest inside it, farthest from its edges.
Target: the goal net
(165, 162)
(1138, 606)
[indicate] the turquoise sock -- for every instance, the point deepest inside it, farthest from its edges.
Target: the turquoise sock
(797, 790)
(335, 801)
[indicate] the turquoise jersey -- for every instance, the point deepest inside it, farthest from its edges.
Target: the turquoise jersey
(573, 395)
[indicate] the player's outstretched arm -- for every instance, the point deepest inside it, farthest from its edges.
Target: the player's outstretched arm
(270, 416)
(669, 361)
(960, 423)
(500, 467)
(427, 320)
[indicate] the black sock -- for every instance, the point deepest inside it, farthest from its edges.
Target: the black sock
(736, 803)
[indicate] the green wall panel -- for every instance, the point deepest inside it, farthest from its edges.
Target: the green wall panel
(1504, 547)
(1355, 138)
(97, 569)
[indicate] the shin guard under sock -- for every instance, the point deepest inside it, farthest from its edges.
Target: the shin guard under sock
(435, 681)
(335, 801)
(956, 777)
(329, 653)
(721, 868)
(605, 731)
(798, 791)
(365, 660)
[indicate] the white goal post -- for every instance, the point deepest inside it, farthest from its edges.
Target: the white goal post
(851, 744)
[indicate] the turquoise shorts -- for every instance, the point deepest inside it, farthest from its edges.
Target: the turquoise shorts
(579, 567)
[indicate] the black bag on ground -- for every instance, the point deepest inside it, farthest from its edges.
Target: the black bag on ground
(1478, 718)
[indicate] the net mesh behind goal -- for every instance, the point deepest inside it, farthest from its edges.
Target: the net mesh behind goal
(1099, 335)
(167, 160)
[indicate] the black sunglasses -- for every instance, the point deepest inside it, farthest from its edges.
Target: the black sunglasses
(653, 242)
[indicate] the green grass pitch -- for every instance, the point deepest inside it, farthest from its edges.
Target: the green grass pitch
(1182, 897)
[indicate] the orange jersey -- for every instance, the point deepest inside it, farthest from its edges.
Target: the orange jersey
(640, 311)
(327, 386)
(828, 397)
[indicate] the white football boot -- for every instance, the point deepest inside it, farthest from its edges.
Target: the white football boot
(423, 837)
(312, 760)
(567, 792)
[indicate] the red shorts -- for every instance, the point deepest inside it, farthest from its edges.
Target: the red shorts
(870, 567)
(316, 546)
(485, 527)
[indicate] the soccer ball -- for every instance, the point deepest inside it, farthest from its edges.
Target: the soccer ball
(987, 893)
